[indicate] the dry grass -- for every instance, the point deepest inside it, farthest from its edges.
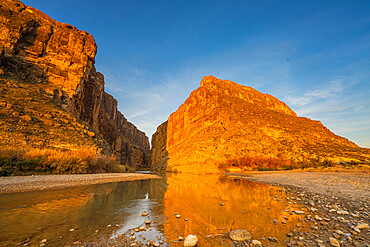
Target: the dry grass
(16, 161)
(260, 163)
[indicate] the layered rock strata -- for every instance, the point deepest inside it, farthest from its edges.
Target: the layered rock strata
(222, 121)
(60, 59)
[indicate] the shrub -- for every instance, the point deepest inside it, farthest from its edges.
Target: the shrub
(24, 161)
(260, 163)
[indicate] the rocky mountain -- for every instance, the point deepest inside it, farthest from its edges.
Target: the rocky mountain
(224, 123)
(59, 59)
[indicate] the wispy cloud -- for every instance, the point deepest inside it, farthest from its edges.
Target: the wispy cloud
(330, 90)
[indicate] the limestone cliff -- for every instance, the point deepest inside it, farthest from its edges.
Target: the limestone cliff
(60, 59)
(222, 122)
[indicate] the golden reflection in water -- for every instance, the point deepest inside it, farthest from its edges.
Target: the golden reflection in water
(197, 198)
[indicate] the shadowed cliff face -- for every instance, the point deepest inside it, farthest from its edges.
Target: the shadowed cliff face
(223, 121)
(60, 59)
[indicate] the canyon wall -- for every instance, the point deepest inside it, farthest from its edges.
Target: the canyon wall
(60, 59)
(222, 122)
(159, 153)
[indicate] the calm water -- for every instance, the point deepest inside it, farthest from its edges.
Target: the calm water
(51, 214)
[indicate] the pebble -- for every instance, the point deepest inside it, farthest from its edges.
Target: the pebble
(142, 228)
(318, 218)
(362, 226)
(335, 235)
(178, 216)
(342, 212)
(272, 239)
(299, 212)
(221, 204)
(144, 214)
(334, 242)
(256, 242)
(147, 222)
(153, 243)
(240, 235)
(190, 241)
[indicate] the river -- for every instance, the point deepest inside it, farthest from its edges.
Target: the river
(207, 206)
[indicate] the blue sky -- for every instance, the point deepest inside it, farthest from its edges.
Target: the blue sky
(313, 55)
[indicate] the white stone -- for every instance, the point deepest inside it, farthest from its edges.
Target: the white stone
(190, 241)
(256, 242)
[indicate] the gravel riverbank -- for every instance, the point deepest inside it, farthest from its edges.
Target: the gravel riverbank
(47, 182)
(336, 206)
(349, 186)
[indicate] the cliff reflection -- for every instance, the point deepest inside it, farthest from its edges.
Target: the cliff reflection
(246, 205)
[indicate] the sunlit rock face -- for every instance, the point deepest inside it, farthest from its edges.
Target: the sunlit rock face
(60, 59)
(223, 121)
(30, 39)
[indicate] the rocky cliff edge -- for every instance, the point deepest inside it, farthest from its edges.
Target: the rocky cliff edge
(59, 59)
